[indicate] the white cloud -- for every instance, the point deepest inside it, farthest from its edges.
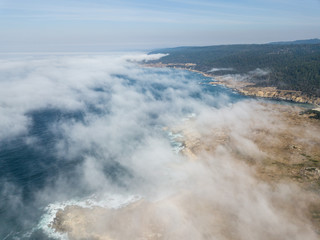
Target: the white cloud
(119, 145)
(220, 69)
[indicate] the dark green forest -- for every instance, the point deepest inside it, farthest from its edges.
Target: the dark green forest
(287, 66)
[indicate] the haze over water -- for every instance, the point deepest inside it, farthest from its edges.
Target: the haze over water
(73, 126)
(99, 130)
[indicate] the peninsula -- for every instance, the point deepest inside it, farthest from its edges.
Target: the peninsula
(286, 71)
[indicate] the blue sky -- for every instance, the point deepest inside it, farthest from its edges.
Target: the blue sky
(98, 25)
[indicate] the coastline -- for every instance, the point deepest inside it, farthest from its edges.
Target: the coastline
(246, 88)
(286, 157)
(269, 147)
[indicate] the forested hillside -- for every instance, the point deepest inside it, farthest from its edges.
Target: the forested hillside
(291, 66)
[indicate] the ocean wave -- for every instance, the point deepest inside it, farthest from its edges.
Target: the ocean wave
(114, 201)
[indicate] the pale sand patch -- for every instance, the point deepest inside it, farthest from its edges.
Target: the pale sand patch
(258, 179)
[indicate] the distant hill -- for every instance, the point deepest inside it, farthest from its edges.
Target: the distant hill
(289, 66)
(306, 41)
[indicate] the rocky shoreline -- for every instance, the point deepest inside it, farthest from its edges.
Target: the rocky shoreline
(248, 89)
(277, 150)
(249, 163)
(245, 87)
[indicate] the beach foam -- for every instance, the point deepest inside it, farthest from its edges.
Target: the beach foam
(111, 201)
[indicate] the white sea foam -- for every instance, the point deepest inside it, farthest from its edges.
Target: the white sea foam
(176, 138)
(175, 141)
(109, 201)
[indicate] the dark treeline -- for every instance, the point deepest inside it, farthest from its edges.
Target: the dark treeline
(290, 67)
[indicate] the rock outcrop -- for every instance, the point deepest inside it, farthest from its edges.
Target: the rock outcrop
(249, 89)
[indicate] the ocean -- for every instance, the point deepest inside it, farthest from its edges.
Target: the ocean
(80, 130)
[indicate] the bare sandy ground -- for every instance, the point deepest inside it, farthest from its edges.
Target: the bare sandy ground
(253, 178)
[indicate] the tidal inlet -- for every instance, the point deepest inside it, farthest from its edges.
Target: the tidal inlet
(105, 147)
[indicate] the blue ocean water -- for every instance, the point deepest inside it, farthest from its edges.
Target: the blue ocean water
(29, 162)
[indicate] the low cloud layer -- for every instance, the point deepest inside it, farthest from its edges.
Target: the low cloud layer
(220, 69)
(108, 129)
